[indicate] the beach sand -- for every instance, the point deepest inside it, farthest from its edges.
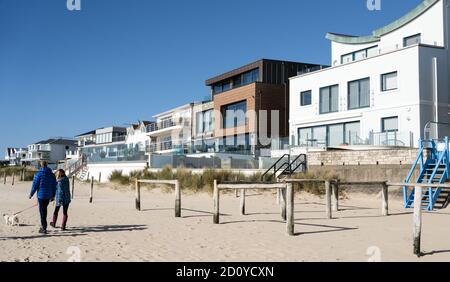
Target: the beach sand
(110, 229)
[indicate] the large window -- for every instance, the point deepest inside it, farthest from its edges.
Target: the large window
(329, 99)
(204, 121)
(237, 81)
(104, 138)
(166, 122)
(389, 124)
(250, 77)
(359, 55)
(389, 81)
(166, 143)
(305, 98)
(411, 40)
(359, 94)
(236, 143)
(234, 115)
(222, 87)
(330, 135)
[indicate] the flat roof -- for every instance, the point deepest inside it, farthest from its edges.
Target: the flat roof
(174, 110)
(246, 68)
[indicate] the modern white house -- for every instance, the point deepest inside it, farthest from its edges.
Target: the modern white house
(137, 138)
(52, 150)
(15, 155)
(172, 132)
(381, 89)
(103, 144)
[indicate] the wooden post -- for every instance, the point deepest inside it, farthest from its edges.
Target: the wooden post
(283, 203)
(417, 229)
(92, 190)
(290, 209)
(177, 199)
(278, 196)
(22, 177)
(385, 200)
(138, 195)
(335, 198)
(4, 178)
(328, 198)
(99, 177)
(242, 202)
(216, 196)
(13, 180)
(88, 176)
(73, 186)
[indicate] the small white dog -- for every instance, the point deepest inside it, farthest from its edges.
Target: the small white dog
(11, 220)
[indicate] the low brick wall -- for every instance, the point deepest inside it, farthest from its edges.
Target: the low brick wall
(369, 173)
(405, 156)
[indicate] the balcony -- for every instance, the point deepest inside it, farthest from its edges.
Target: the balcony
(167, 125)
(353, 139)
(40, 148)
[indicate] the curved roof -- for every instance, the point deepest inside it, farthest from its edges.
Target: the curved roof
(412, 15)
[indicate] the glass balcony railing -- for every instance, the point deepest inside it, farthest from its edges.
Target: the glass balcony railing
(168, 124)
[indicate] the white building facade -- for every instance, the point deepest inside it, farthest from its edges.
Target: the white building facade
(381, 89)
(172, 132)
(137, 138)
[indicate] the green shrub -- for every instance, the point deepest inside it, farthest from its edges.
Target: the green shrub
(118, 177)
(166, 173)
(204, 182)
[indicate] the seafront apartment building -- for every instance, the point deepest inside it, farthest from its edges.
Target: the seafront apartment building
(172, 131)
(238, 94)
(382, 89)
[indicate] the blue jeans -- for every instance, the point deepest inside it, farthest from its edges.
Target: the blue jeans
(43, 205)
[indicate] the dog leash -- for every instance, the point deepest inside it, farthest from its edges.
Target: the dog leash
(35, 205)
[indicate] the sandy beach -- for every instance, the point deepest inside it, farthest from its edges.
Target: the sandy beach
(110, 229)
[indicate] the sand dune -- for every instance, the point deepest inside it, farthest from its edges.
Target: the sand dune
(111, 229)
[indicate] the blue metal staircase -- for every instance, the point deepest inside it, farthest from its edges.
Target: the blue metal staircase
(434, 162)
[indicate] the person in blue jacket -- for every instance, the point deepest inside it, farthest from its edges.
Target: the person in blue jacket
(44, 185)
(62, 198)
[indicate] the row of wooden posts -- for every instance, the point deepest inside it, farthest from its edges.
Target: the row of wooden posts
(13, 181)
(287, 196)
(73, 183)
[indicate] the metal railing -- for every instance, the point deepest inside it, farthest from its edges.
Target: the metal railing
(435, 130)
(391, 139)
(167, 124)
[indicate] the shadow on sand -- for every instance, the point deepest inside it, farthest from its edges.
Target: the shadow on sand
(80, 231)
(329, 228)
(434, 253)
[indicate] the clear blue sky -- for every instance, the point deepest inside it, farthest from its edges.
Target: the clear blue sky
(116, 61)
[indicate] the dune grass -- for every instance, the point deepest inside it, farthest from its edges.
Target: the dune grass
(204, 182)
(188, 180)
(17, 171)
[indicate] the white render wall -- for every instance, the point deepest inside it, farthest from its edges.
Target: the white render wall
(403, 102)
(431, 25)
(106, 169)
(137, 136)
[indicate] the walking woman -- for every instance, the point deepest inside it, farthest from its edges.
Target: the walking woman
(62, 198)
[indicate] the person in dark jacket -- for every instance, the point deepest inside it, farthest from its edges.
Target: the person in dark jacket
(44, 185)
(62, 198)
